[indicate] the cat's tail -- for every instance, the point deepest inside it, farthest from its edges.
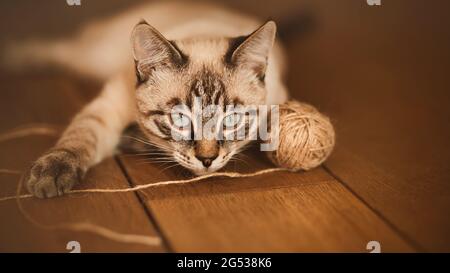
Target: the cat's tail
(35, 54)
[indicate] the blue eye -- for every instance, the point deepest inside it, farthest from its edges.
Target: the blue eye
(231, 120)
(180, 120)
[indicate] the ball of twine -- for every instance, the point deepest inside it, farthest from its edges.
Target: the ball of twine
(306, 137)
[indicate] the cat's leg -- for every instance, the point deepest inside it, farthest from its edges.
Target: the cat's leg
(92, 135)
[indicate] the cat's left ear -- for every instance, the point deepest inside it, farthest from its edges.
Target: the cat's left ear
(253, 51)
(152, 50)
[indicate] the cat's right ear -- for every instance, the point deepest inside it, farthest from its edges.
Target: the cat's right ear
(152, 50)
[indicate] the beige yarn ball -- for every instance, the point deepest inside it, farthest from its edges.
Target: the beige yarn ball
(306, 137)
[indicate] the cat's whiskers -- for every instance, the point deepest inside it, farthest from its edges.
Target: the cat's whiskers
(160, 162)
(147, 155)
(155, 159)
(169, 167)
(156, 154)
(243, 155)
(235, 158)
(163, 154)
(151, 144)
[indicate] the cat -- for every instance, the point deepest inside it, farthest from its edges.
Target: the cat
(182, 51)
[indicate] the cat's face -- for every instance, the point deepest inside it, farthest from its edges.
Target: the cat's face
(189, 93)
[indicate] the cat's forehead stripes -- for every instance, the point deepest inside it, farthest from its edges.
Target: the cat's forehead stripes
(209, 87)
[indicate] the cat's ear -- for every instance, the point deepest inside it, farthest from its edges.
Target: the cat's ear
(253, 51)
(152, 50)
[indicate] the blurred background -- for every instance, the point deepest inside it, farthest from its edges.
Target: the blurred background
(380, 72)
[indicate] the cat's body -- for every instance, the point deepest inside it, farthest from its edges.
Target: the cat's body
(202, 56)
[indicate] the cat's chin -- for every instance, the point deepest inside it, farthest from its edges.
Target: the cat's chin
(204, 171)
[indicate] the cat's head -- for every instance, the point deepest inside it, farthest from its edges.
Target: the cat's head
(178, 78)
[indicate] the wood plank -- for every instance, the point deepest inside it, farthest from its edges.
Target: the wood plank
(363, 67)
(52, 99)
(381, 73)
(280, 212)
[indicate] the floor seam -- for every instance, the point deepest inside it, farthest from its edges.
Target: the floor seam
(416, 246)
(149, 214)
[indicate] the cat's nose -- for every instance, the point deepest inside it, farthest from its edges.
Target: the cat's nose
(206, 161)
(206, 151)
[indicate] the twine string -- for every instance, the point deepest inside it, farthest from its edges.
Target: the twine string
(49, 130)
(157, 184)
(30, 129)
(111, 234)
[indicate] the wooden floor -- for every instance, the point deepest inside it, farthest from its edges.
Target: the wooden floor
(380, 73)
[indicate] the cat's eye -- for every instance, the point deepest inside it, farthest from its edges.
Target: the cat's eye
(230, 121)
(180, 120)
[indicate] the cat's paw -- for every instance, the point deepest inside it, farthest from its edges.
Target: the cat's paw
(54, 174)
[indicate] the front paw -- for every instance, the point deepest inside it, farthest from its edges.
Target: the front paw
(54, 174)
